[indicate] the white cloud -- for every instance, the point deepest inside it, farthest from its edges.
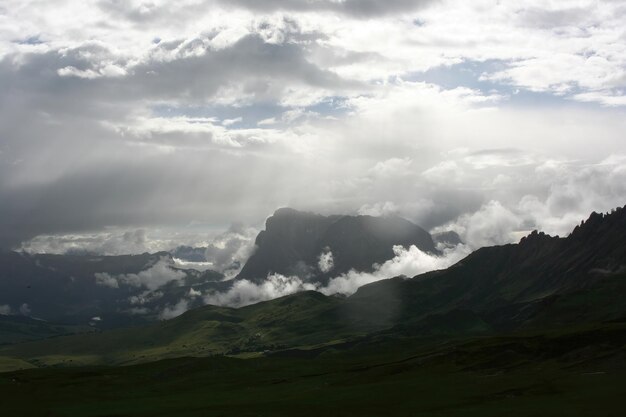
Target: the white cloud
(244, 292)
(145, 297)
(5, 310)
(607, 99)
(25, 310)
(184, 304)
(574, 192)
(105, 243)
(408, 262)
(230, 122)
(174, 310)
(229, 250)
(444, 172)
(571, 193)
(392, 168)
(198, 266)
(106, 280)
(378, 209)
(492, 225)
(226, 251)
(154, 277)
(326, 261)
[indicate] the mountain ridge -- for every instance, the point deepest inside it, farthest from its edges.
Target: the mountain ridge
(493, 291)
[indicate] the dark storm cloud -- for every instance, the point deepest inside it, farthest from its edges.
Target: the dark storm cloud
(250, 62)
(193, 72)
(145, 13)
(355, 8)
(141, 189)
(551, 19)
(53, 122)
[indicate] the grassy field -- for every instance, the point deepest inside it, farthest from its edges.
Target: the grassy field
(570, 373)
(302, 319)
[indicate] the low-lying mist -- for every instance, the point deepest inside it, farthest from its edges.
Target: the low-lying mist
(406, 262)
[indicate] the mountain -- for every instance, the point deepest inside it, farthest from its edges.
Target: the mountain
(542, 284)
(73, 289)
(117, 290)
(293, 242)
(541, 281)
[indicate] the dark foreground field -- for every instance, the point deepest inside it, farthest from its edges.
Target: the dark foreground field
(579, 372)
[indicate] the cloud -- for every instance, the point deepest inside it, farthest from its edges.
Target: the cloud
(378, 209)
(25, 310)
(184, 304)
(107, 243)
(225, 251)
(175, 310)
(6, 310)
(198, 266)
(230, 122)
(106, 280)
(326, 261)
(392, 168)
(154, 277)
(230, 250)
(194, 293)
(125, 118)
(571, 192)
(407, 262)
(492, 225)
(607, 99)
(145, 297)
(354, 8)
(112, 243)
(244, 292)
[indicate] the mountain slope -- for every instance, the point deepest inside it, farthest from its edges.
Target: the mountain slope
(298, 320)
(512, 285)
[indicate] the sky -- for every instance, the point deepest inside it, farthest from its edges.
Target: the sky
(128, 126)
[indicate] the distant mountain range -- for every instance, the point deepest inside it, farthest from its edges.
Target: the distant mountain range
(72, 289)
(541, 284)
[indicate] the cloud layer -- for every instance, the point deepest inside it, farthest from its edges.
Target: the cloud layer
(132, 125)
(407, 262)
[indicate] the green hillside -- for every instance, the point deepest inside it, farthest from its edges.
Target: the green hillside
(575, 372)
(16, 329)
(297, 320)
